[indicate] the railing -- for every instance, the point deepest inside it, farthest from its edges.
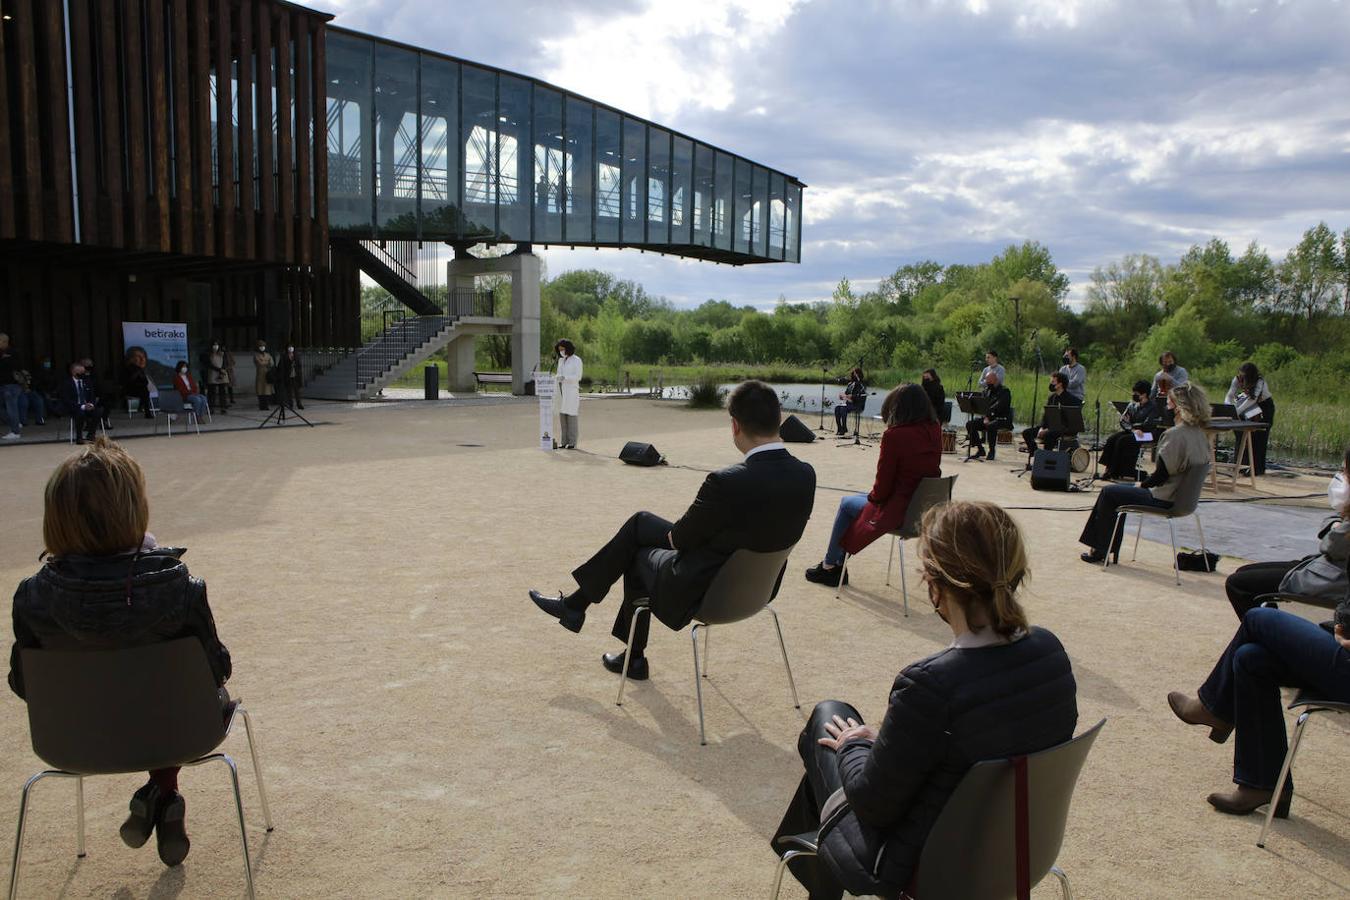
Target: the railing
(402, 260)
(318, 360)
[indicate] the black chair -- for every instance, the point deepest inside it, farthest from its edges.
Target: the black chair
(743, 587)
(1310, 704)
(111, 712)
(1000, 831)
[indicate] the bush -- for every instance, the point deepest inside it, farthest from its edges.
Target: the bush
(706, 392)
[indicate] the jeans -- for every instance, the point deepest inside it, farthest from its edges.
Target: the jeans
(1097, 531)
(14, 406)
(849, 509)
(841, 414)
(198, 404)
(32, 401)
(1271, 649)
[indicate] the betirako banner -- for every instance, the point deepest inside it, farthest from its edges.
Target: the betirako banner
(163, 343)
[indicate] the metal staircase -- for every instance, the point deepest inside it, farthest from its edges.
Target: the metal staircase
(406, 343)
(396, 275)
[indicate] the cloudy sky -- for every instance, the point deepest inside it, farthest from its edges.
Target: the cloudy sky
(947, 129)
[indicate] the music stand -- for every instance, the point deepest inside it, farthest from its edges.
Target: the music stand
(1067, 420)
(1121, 405)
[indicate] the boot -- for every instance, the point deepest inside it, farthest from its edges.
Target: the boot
(1190, 710)
(1243, 800)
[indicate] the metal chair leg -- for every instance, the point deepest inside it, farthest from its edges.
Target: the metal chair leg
(782, 867)
(1063, 882)
(1115, 529)
(1284, 775)
(239, 809)
(1138, 533)
(628, 656)
(787, 665)
(904, 585)
(79, 817)
(1201, 529)
(698, 685)
(889, 558)
(843, 567)
(706, 631)
(257, 766)
(1172, 532)
(23, 822)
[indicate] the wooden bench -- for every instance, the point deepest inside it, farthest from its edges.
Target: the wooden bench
(482, 378)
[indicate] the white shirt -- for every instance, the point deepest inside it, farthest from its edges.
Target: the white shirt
(772, 445)
(996, 369)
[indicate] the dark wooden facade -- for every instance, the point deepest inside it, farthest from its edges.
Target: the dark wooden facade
(197, 186)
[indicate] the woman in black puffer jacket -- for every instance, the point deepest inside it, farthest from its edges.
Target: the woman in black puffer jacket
(106, 585)
(1003, 688)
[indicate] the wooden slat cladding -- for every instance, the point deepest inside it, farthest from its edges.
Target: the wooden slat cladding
(184, 129)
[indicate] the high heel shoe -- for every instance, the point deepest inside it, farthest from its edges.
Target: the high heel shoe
(1190, 710)
(1244, 800)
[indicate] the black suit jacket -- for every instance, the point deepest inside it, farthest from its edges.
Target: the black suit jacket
(1000, 404)
(66, 393)
(761, 504)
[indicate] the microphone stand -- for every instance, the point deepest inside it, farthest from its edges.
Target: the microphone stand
(824, 372)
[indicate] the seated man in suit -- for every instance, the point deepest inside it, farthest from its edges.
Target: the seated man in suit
(999, 416)
(1049, 437)
(760, 504)
(75, 395)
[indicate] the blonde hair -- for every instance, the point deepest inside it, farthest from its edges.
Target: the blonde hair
(1192, 404)
(95, 503)
(973, 551)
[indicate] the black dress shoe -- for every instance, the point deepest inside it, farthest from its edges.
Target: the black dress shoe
(818, 574)
(571, 619)
(1093, 556)
(136, 829)
(171, 830)
(637, 669)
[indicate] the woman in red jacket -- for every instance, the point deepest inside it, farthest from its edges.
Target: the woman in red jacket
(911, 450)
(188, 390)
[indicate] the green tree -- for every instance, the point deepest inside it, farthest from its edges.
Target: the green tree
(1311, 280)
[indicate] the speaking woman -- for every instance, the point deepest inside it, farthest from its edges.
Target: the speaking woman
(568, 379)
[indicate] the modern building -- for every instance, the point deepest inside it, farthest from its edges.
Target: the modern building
(235, 165)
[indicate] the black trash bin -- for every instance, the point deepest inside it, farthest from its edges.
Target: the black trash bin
(431, 381)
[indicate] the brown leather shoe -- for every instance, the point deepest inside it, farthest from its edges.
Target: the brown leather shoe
(1190, 710)
(1243, 800)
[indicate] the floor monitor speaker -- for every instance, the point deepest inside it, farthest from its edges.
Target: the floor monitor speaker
(794, 431)
(636, 453)
(1050, 471)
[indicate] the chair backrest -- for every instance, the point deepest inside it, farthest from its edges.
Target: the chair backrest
(742, 587)
(171, 402)
(1190, 484)
(930, 492)
(971, 850)
(131, 710)
(945, 414)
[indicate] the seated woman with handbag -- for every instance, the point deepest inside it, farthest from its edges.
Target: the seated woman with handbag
(1321, 576)
(911, 450)
(106, 585)
(1120, 453)
(1002, 688)
(1179, 449)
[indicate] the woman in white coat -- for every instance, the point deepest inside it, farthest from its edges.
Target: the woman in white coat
(568, 381)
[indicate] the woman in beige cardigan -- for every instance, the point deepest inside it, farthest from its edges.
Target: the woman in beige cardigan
(262, 368)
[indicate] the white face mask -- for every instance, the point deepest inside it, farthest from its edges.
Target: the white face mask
(562, 354)
(1337, 492)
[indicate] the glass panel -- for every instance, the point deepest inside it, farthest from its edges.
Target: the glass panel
(608, 176)
(793, 223)
(552, 166)
(513, 161)
(703, 195)
(634, 182)
(776, 212)
(440, 149)
(396, 143)
(759, 232)
(721, 213)
(743, 224)
(478, 137)
(349, 134)
(681, 197)
(581, 190)
(658, 186)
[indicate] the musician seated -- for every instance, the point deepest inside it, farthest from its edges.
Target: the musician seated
(1049, 437)
(999, 415)
(1120, 453)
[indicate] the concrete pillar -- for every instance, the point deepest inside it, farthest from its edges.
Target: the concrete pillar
(525, 303)
(460, 353)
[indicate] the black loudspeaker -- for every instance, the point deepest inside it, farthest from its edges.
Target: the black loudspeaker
(1050, 471)
(636, 453)
(794, 431)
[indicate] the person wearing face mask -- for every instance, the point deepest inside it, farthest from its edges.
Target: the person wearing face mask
(290, 377)
(217, 376)
(1002, 687)
(80, 399)
(1320, 576)
(186, 386)
(1250, 395)
(1076, 373)
(1120, 453)
(1176, 375)
(568, 380)
(137, 382)
(263, 375)
(1049, 437)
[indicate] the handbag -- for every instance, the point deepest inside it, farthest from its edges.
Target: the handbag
(1198, 561)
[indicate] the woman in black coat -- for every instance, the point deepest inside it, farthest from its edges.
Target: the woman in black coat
(1003, 688)
(937, 394)
(107, 585)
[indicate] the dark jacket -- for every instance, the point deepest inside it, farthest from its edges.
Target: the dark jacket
(856, 391)
(290, 371)
(909, 454)
(82, 603)
(937, 396)
(1000, 404)
(1140, 415)
(1064, 399)
(761, 504)
(946, 713)
(72, 394)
